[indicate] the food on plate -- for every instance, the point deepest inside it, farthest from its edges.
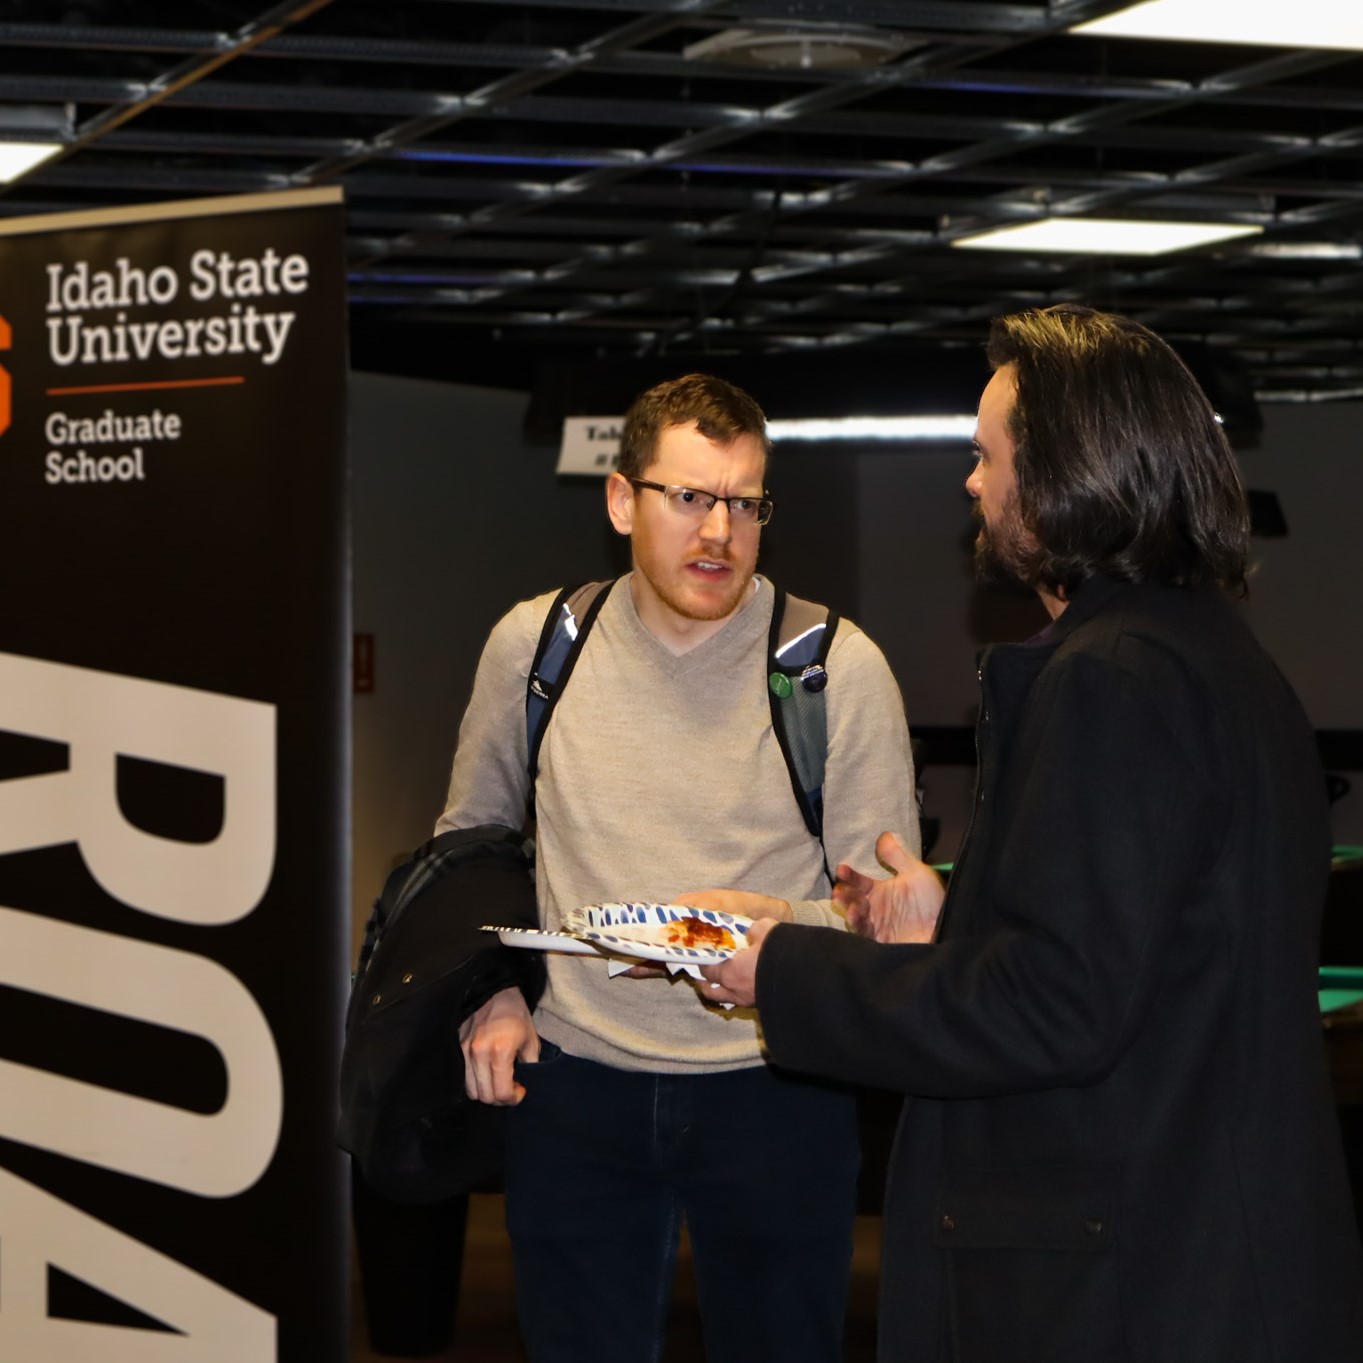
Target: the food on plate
(696, 932)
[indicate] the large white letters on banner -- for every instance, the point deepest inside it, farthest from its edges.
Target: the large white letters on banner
(213, 1324)
(101, 716)
(214, 1155)
(174, 782)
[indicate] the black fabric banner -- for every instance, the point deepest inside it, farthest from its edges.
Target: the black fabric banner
(174, 783)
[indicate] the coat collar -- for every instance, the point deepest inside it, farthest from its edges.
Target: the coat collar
(1092, 595)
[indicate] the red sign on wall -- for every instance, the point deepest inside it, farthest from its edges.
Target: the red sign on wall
(362, 663)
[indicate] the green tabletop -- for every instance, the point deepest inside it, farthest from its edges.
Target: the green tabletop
(1340, 986)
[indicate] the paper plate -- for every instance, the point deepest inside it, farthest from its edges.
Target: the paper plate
(639, 929)
(535, 940)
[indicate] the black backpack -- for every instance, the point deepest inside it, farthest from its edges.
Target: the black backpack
(425, 966)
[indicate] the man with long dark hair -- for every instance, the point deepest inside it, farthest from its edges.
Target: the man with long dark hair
(1119, 1144)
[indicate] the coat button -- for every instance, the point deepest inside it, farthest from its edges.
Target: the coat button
(948, 1223)
(1093, 1227)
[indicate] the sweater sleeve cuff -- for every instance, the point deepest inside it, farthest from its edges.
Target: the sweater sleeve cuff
(816, 913)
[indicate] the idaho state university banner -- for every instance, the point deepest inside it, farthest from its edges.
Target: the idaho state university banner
(174, 783)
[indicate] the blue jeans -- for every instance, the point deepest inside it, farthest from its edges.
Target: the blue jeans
(604, 1164)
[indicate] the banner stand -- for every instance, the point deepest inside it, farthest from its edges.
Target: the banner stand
(174, 782)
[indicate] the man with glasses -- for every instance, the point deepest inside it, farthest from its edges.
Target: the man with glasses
(630, 1109)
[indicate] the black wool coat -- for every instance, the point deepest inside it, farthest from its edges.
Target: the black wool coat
(1119, 1144)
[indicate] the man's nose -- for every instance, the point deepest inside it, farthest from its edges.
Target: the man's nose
(972, 482)
(717, 524)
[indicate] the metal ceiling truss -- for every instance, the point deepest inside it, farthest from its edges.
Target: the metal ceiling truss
(539, 177)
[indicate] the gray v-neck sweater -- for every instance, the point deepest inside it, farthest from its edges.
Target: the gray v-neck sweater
(660, 774)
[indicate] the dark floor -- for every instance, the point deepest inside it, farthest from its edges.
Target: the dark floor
(485, 1313)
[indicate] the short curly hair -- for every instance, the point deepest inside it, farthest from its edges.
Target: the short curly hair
(721, 412)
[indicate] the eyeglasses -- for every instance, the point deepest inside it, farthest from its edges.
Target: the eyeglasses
(696, 505)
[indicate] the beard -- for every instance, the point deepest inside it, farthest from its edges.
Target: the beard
(713, 607)
(664, 571)
(1005, 552)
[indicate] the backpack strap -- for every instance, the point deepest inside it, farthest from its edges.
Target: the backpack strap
(565, 631)
(797, 673)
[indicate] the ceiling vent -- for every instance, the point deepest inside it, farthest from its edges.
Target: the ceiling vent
(801, 47)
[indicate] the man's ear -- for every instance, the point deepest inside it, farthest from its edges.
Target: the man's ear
(620, 503)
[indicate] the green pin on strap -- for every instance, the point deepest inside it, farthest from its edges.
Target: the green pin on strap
(780, 684)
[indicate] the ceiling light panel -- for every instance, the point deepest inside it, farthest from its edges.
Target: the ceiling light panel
(960, 426)
(1104, 236)
(18, 158)
(1302, 23)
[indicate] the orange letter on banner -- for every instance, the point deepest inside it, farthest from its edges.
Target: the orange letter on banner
(4, 378)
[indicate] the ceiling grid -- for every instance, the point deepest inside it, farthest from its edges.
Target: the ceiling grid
(625, 177)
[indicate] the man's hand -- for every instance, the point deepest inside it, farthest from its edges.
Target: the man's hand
(650, 970)
(901, 908)
(493, 1039)
(735, 980)
(743, 903)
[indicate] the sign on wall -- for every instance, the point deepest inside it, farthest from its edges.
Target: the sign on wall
(174, 782)
(590, 444)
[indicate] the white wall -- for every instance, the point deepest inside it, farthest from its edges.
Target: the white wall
(455, 518)
(435, 552)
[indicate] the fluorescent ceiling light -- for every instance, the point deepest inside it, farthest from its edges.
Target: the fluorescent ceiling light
(874, 428)
(1307, 250)
(1301, 395)
(1104, 236)
(18, 158)
(591, 444)
(1303, 23)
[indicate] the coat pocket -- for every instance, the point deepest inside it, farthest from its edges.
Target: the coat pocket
(1031, 1263)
